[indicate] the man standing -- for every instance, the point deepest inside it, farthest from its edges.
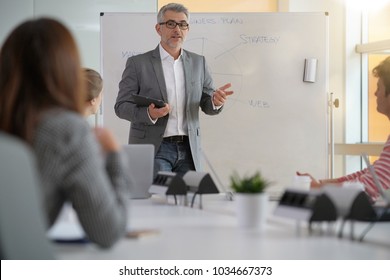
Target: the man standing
(182, 80)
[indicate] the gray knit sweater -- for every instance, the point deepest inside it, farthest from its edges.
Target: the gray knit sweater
(74, 169)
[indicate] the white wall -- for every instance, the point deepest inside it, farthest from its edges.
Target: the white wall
(337, 59)
(345, 72)
(13, 12)
(82, 17)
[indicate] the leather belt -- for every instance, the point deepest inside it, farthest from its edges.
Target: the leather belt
(176, 138)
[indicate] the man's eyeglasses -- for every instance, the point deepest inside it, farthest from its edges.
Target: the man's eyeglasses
(171, 24)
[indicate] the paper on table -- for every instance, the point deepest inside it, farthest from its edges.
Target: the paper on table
(67, 228)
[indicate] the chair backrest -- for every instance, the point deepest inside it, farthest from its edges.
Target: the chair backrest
(22, 222)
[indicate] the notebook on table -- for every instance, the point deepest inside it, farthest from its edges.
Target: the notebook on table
(382, 211)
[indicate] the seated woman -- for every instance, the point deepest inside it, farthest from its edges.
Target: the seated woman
(382, 165)
(94, 91)
(42, 99)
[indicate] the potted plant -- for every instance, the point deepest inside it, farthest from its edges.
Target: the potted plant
(251, 199)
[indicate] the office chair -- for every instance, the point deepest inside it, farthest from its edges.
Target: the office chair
(22, 222)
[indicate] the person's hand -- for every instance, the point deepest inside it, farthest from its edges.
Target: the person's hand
(314, 183)
(106, 139)
(220, 95)
(156, 113)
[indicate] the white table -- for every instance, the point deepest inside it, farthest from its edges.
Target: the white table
(211, 233)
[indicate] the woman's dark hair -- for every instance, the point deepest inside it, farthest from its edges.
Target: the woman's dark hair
(39, 69)
(382, 71)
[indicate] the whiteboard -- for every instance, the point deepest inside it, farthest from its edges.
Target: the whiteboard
(275, 122)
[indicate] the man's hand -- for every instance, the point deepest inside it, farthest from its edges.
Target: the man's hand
(156, 113)
(221, 94)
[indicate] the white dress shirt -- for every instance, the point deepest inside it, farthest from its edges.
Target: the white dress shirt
(175, 83)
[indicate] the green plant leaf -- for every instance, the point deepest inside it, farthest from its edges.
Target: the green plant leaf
(248, 184)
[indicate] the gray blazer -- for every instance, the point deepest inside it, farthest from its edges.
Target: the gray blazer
(144, 75)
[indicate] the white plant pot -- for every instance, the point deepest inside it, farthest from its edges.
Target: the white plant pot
(251, 210)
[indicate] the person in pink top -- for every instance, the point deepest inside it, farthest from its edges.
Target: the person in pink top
(382, 165)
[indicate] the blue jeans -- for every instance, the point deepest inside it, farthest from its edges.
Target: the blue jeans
(174, 157)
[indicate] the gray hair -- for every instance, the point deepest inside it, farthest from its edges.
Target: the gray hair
(178, 8)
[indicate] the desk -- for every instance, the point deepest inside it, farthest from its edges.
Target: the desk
(211, 233)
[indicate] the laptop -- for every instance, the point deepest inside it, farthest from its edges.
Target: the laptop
(141, 164)
(382, 212)
(385, 194)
